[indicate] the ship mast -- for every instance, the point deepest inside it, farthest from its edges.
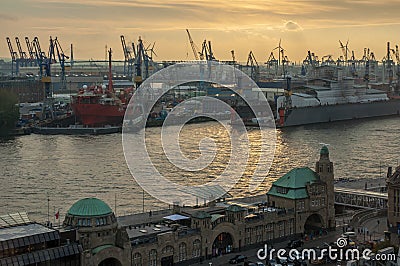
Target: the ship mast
(110, 82)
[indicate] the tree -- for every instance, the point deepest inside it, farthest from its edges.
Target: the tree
(9, 112)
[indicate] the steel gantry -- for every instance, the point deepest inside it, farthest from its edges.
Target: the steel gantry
(360, 198)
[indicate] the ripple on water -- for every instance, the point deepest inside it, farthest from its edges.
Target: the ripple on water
(68, 168)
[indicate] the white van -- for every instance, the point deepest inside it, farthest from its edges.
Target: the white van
(349, 234)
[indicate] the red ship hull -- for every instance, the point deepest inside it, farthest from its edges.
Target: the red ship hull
(95, 114)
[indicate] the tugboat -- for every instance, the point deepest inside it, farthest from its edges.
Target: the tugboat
(99, 106)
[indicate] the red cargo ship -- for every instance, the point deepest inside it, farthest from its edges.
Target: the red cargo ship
(99, 105)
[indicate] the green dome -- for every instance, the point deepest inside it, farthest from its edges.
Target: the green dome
(324, 150)
(235, 208)
(201, 215)
(89, 207)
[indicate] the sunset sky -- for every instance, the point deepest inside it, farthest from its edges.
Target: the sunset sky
(231, 25)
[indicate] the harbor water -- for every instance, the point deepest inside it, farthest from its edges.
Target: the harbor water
(42, 174)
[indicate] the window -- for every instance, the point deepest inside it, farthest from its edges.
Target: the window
(196, 248)
(153, 257)
(291, 226)
(137, 259)
(282, 190)
(259, 234)
(182, 251)
(281, 229)
(167, 249)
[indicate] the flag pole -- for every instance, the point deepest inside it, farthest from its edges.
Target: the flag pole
(115, 204)
(58, 218)
(48, 209)
(143, 201)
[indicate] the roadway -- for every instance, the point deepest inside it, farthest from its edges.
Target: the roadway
(252, 253)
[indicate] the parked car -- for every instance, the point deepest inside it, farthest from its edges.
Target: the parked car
(349, 234)
(258, 263)
(238, 259)
(273, 262)
(295, 244)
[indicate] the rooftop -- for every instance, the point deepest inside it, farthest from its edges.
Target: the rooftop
(135, 232)
(14, 219)
(21, 231)
(297, 178)
(293, 184)
(89, 207)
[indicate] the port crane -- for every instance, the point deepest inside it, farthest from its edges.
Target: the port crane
(253, 65)
(206, 51)
(397, 57)
(272, 62)
(39, 54)
(22, 54)
(310, 62)
(345, 50)
(45, 62)
(369, 63)
(193, 45)
(233, 56)
(327, 60)
(387, 63)
(141, 59)
(30, 50)
(61, 59)
(129, 59)
(352, 61)
(18, 57)
(14, 58)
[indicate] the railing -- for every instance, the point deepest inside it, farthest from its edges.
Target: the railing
(360, 198)
(363, 216)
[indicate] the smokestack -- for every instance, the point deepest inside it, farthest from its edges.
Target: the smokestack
(72, 55)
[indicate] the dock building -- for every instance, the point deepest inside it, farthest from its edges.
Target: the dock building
(299, 204)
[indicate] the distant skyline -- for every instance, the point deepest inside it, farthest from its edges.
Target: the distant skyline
(230, 25)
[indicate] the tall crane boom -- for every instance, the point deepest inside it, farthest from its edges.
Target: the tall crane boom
(127, 53)
(22, 54)
(13, 54)
(30, 48)
(194, 49)
(14, 58)
(233, 56)
(345, 50)
(253, 64)
(128, 59)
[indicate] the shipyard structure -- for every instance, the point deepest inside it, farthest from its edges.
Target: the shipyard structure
(299, 204)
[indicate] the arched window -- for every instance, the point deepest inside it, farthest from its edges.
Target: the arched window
(137, 259)
(167, 250)
(182, 251)
(153, 257)
(196, 248)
